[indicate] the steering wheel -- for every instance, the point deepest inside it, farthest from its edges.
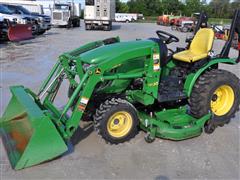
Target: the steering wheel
(167, 37)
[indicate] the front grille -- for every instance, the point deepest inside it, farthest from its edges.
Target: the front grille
(47, 20)
(57, 16)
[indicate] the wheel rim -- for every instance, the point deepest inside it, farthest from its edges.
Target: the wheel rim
(222, 100)
(119, 124)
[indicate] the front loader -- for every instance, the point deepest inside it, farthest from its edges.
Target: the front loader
(121, 87)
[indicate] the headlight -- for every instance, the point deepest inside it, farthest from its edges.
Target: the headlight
(15, 20)
(40, 19)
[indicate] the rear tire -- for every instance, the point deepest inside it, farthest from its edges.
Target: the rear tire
(185, 29)
(106, 28)
(116, 121)
(87, 27)
(216, 91)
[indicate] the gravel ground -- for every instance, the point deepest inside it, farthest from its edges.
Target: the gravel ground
(213, 156)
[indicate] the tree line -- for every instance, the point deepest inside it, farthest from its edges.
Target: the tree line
(215, 8)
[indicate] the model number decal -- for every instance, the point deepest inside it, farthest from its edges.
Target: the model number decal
(84, 100)
(156, 62)
(156, 57)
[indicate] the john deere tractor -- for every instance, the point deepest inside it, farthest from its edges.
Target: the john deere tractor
(123, 87)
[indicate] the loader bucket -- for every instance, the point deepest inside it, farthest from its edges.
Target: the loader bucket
(19, 32)
(29, 136)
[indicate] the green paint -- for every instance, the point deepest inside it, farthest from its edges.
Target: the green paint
(29, 135)
(174, 124)
(192, 78)
(34, 130)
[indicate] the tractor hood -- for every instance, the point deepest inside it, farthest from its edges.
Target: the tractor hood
(107, 52)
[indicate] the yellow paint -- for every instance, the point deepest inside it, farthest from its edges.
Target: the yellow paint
(119, 124)
(199, 48)
(224, 100)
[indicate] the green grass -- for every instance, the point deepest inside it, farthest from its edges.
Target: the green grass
(148, 19)
(219, 21)
(153, 19)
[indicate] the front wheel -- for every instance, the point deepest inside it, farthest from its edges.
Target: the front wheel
(217, 91)
(76, 23)
(185, 29)
(116, 121)
(40, 32)
(69, 25)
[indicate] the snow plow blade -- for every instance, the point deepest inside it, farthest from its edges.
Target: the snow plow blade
(29, 136)
(19, 32)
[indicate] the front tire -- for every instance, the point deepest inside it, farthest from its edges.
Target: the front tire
(76, 23)
(41, 32)
(69, 25)
(116, 121)
(216, 91)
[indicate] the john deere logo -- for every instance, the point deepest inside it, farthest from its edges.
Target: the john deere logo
(98, 71)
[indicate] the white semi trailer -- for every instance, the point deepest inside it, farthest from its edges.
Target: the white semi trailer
(99, 14)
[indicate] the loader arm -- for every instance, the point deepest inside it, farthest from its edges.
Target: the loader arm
(32, 128)
(70, 67)
(27, 127)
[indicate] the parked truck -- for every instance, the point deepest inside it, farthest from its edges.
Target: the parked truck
(99, 14)
(41, 24)
(32, 10)
(66, 14)
(31, 6)
(14, 27)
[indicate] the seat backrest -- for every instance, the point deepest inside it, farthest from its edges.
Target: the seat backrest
(203, 41)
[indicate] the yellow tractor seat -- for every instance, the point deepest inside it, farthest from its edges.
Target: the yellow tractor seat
(200, 47)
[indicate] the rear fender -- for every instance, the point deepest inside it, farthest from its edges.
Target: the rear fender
(193, 77)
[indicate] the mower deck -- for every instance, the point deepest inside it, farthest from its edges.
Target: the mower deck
(173, 124)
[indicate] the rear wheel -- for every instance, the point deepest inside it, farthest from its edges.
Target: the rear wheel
(185, 29)
(106, 28)
(116, 121)
(217, 91)
(87, 27)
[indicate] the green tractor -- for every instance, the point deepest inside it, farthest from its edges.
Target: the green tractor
(123, 87)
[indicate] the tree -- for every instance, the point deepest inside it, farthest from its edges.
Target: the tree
(233, 6)
(172, 6)
(219, 8)
(216, 8)
(118, 5)
(137, 6)
(121, 7)
(124, 8)
(193, 6)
